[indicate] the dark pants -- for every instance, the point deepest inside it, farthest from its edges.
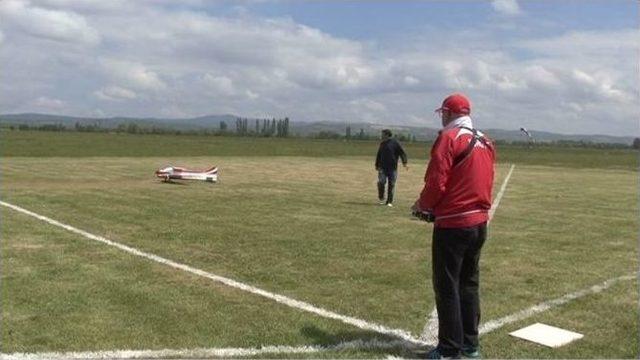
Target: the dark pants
(384, 177)
(456, 277)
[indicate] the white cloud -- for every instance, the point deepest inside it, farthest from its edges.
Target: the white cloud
(186, 63)
(585, 43)
(49, 104)
(134, 74)
(506, 7)
(63, 26)
(221, 85)
(368, 104)
(410, 80)
(87, 6)
(115, 93)
(573, 107)
(291, 53)
(540, 77)
(599, 86)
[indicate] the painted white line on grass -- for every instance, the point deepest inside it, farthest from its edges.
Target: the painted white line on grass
(547, 305)
(301, 305)
(350, 345)
(230, 352)
(208, 353)
(496, 201)
(430, 332)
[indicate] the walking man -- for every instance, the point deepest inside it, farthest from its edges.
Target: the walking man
(457, 197)
(387, 165)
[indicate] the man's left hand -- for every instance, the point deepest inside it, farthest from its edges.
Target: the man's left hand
(421, 214)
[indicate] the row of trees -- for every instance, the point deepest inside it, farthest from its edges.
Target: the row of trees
(265, 127)
(280, 128)
(362, 135)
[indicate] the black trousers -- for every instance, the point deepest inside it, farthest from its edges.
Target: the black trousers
(456, 277)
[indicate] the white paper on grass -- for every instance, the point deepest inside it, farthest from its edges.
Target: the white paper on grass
(550, 336)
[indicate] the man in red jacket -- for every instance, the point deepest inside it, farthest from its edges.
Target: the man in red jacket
(457, 197)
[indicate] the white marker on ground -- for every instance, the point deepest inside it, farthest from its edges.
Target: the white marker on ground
(546, 335)
(349, 345)
(547, 305)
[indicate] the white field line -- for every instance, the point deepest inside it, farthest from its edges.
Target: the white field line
(496, 201)
(427, 337)
(350, 345)
(297, 304)
(207, 353)
(430, 331)
(544, 306)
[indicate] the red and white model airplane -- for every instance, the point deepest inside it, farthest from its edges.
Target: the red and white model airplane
(177, 173)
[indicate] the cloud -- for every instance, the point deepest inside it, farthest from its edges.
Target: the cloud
(540, 77)
(220, 85)
(595, 65)
(589, 43)
(62, 26)
(599, 86)
(89, 7)
(115, 93)
(134, 74)
(291, 52)
(506, 7)
(367, 104)
(410, 80)
(157, 59)
(48, 104)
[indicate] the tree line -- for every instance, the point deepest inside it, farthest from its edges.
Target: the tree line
(263, 127)
(281, 128)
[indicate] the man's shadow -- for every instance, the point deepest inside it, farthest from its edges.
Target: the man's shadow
(364, 341)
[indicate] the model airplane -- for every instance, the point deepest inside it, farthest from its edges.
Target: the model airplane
(177, 173)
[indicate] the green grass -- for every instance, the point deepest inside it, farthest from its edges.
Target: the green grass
(72, 144)
(302, 226)
(63, 293)
(608, 321)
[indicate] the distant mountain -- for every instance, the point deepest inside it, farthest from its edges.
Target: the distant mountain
(545, 136)
(297, 128)
(202, 122)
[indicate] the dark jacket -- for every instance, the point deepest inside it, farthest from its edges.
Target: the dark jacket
(388, 153)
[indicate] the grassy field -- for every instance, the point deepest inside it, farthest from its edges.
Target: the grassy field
(72, 144)
(298, 218)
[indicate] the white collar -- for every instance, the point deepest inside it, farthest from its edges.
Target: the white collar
(459, 122)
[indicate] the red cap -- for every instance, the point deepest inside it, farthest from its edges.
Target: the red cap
(456, 103)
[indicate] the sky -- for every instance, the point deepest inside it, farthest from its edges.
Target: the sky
(568, 66)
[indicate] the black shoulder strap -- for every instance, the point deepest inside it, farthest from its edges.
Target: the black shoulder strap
(463, 155)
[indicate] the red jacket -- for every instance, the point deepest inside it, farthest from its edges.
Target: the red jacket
(459, 195)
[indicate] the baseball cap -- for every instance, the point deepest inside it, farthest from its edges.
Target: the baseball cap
(457, 103)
